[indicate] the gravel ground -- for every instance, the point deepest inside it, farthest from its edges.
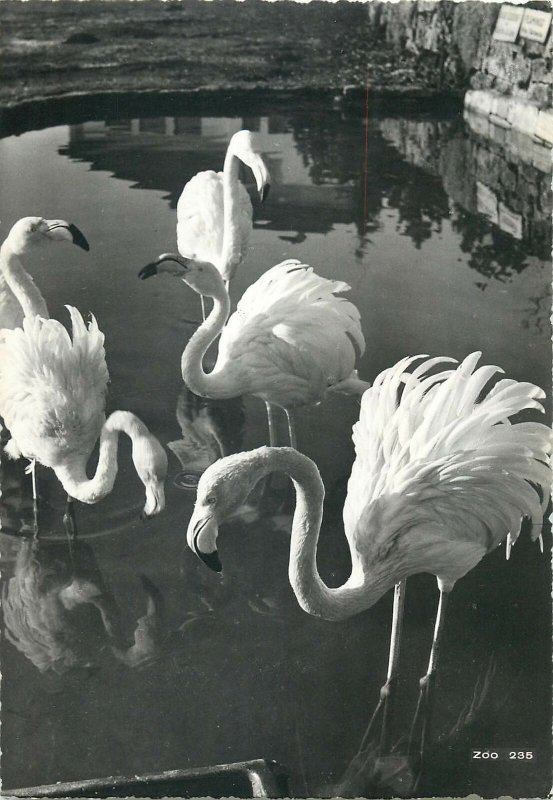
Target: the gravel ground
(51, 49)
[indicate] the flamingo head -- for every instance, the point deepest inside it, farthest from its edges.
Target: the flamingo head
(222, 490)
(150, 461)
(201, 276)
(29, 231)
(245, 146)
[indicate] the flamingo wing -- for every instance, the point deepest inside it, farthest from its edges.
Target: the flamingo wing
(52, 386)
(438, 452)
(200, 217)
(291, 325)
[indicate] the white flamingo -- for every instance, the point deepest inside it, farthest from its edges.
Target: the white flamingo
(289, 341)
(214, 211)
(19, 296)
(52, 399)
(440, 478)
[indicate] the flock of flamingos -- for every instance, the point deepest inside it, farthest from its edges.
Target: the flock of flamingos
(442, 475)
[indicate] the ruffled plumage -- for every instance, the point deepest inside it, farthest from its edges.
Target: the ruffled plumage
(295, 337)
(437, 453)
(53, 386)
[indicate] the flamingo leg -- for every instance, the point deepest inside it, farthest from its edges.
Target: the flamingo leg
(36, 529)
(291, 429)
(31, 468)
(271, 423)
(385, 704)
(425, 704)
(70, 524)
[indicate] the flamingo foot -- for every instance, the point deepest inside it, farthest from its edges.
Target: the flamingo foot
(384, 709)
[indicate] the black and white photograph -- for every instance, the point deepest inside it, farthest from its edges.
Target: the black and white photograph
(275, 398)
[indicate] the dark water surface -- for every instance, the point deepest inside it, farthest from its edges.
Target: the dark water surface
(236, 670)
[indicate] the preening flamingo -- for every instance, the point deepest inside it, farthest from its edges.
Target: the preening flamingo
(19, 296)
(289, 341)
(52, 399)
(440, 478)
(214, 211)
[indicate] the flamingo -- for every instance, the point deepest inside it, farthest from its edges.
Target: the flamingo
(441, 477)
(290, 340)
(52, 399)
(19, 296)
(214, 211)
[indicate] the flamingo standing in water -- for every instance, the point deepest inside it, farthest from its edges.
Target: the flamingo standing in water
(441, 477)
(214, 211)
(289, 341)
(52, 399)
(19, 296)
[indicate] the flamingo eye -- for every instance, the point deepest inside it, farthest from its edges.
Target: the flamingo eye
(211, 500)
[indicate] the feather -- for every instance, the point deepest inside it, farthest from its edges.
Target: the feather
(53, 386)
(442, 455)
(293, 335)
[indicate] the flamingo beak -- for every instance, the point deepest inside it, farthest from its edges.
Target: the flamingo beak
(60, 229)
(264, 193)
(260, 172)
(202, 536)
(153, 267)
(148, 271)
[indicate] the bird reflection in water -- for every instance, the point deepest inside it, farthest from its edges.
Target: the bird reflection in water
(210, 429)
(45, 616)
(394, 774)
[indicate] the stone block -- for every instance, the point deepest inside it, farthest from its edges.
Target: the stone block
(486, 202)
(479, 123)
(509, 177)
(500, 106)
(541, 70)
(542, 158)
(519, 146)
(523, 117)
(534, 49)
(478, 101)
(541, 95)
(544, 126)
(498, 134)
(503, 85)
(509, 221)
(477, 81)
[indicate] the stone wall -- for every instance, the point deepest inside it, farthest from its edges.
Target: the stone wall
(456, 40)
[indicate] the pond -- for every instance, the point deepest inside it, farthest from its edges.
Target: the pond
(238, 670)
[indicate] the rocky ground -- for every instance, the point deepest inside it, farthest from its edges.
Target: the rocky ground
(50, 49)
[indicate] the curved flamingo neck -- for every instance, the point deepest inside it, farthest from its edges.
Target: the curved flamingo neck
(72, 473)
(231, 252)
(217, 384)
(20, 283)
(361, 590)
